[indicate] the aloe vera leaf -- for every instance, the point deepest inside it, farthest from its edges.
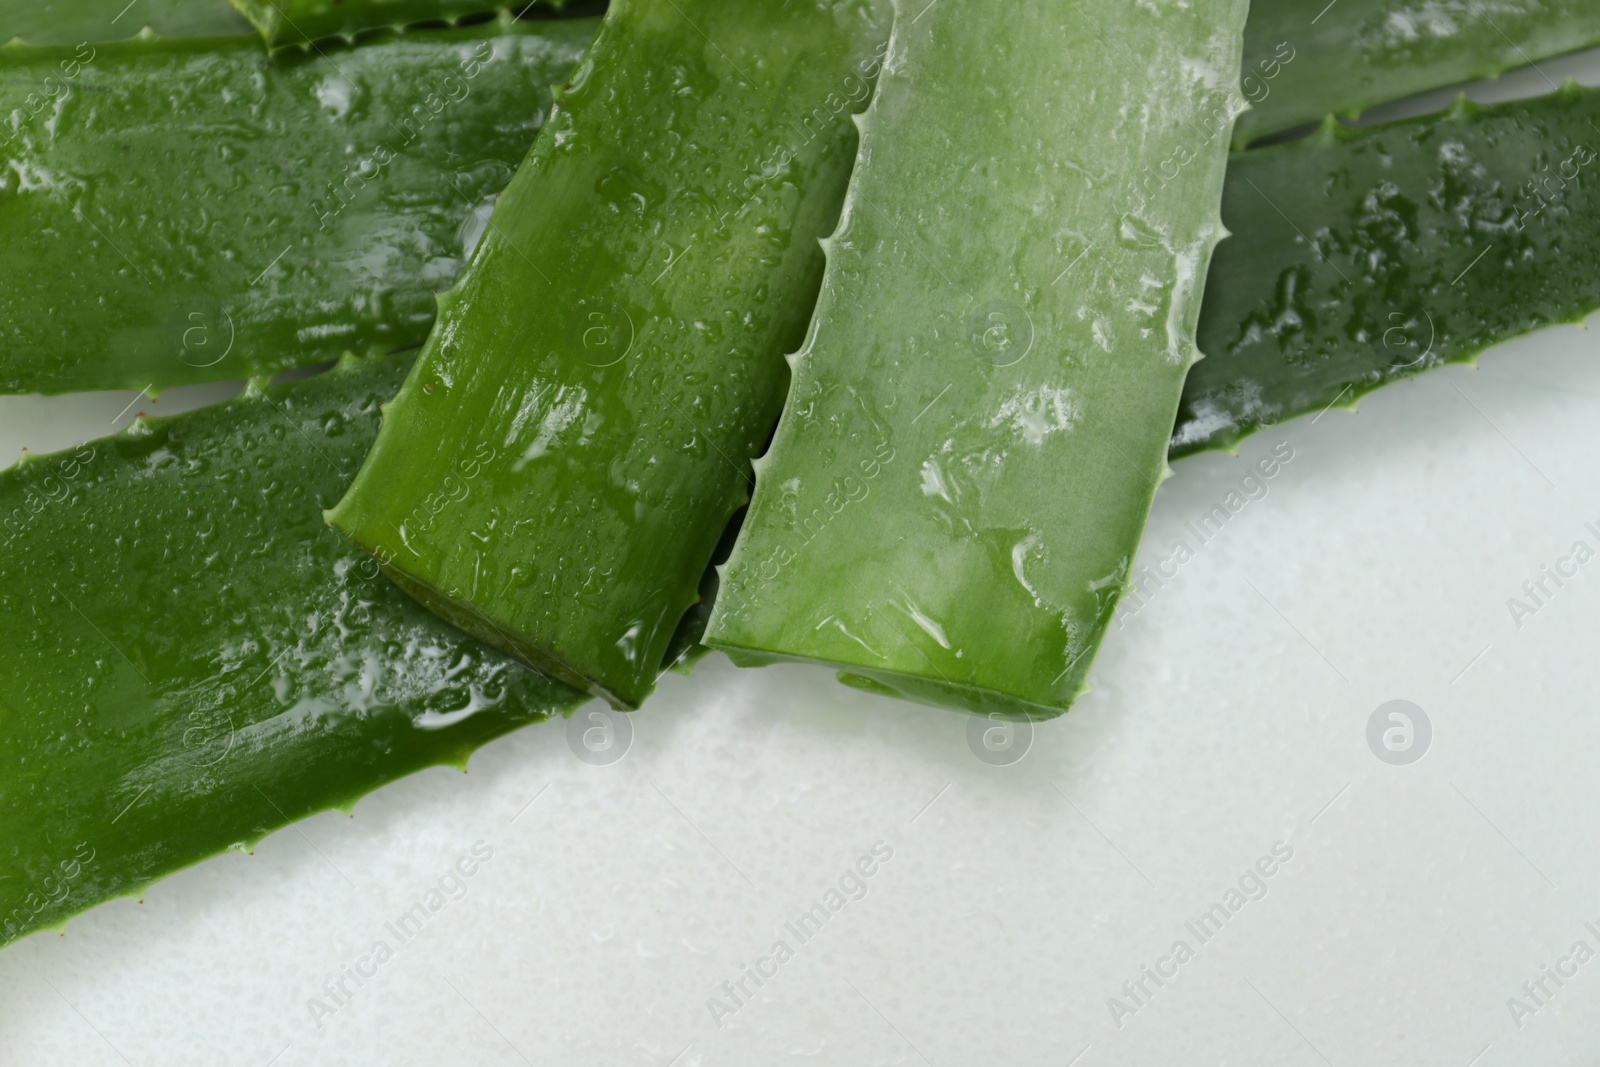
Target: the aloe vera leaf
(92, 21)
(613, 355)
(978, 420)
(1301, 65)
(193, 659)
(290, 22)
(279, 212)
(1363, 256)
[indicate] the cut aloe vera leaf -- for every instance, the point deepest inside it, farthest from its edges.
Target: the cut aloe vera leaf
(1363, 256)
(92, 21)
(193, 659)
(280, 212)
(979, 418)
(291, 22)
(1304, 60)
(576, 434)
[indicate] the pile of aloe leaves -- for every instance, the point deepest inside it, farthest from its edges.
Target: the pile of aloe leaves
(852, 333)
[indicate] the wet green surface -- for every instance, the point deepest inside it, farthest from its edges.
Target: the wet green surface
(1305, 59)
(77, 21)
(1360, 257)
(291, 22)
(575, 436)
(979, 419)
(174, 212)
(193, 659)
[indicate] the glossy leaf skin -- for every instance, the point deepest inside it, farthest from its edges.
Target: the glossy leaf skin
(1359, 53)
(298, 22)
(571, 444)
(74, 22)
(193, 659)
(1363, 256)
(276, 216)
(979, 417)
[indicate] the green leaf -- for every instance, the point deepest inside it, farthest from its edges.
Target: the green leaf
(281, 212)
(1301, 65)
(1363, 256)
(576, 435)
(78, 21)
(292, 22)
(193, 659)
(979, 418)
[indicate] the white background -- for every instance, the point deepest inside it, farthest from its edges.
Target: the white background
(1228, 715)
